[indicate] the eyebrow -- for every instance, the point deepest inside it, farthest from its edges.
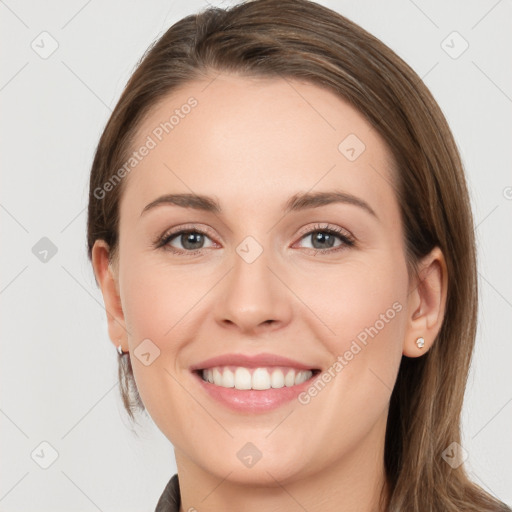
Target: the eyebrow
(298, 202)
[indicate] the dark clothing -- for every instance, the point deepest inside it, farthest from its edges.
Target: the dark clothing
(170, 500)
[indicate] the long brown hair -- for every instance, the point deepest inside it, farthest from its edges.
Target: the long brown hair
(303, 40)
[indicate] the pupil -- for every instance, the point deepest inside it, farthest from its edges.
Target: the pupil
(323, 237)
(191, 238)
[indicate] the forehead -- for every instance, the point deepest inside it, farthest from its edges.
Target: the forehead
(245, 140)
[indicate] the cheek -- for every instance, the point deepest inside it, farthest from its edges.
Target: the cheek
(360, 308)
(364, 305)
(356, 297)
(157, 301)
(153, 307)
(160, 304)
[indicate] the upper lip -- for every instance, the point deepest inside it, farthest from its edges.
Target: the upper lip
(251, 361)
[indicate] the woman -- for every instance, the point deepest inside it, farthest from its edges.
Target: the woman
(288, 376)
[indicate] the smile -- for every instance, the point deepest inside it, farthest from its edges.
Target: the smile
(255, 378)
(253, 390)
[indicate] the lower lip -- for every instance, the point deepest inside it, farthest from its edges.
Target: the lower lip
(253, 400)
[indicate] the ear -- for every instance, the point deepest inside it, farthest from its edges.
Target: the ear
(426, 303)
(107, 278)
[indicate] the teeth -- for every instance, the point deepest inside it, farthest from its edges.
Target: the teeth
(289, 380)
(242, 379)
(228, 379)
(277, 379)
(260, 378)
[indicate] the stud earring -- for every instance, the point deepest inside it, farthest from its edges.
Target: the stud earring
(420, 342)
(120, 350)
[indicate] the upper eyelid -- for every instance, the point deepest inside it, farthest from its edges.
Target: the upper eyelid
(185, 228)
(318, 226)
(338, 230)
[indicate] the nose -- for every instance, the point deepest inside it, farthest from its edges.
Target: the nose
(253, 298)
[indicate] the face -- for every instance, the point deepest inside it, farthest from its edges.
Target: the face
(321, 282)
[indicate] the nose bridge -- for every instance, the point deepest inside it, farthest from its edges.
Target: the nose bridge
(252, 295)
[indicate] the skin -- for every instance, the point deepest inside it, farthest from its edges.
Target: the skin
(252, 144)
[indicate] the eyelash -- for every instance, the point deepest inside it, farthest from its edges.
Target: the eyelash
(348, 241)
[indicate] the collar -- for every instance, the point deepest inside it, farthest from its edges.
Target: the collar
(170, 500)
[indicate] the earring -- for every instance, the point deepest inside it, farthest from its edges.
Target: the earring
(420, 342)
(120, 350)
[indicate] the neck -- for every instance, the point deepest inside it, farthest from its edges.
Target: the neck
(354, 482)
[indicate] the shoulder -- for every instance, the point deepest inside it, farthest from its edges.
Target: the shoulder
(170, 500)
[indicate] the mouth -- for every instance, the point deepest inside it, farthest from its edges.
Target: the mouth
(259, 378)
(253, 383)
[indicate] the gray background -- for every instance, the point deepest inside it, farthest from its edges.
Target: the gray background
(58, 367)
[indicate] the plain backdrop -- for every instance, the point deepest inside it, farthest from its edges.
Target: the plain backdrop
(60, 405)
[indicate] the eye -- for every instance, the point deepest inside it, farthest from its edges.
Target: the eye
(323, 238)
(189, 241)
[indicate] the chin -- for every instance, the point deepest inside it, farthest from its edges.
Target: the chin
(265, 472)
